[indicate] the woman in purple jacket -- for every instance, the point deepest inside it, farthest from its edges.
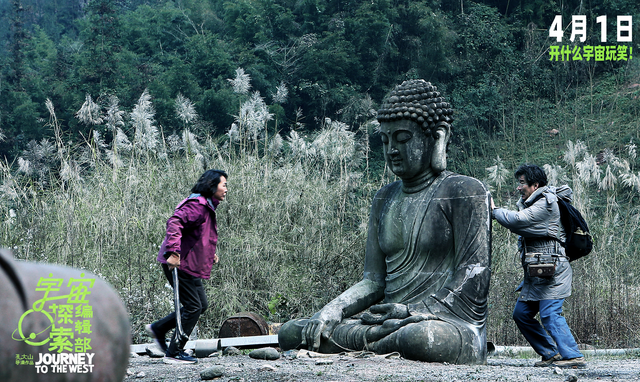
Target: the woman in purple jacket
(190, 246)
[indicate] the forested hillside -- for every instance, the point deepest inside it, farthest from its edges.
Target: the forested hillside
(111, 109)
(336, 59)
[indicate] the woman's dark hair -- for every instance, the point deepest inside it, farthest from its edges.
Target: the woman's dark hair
(207, 185)
(532, 174)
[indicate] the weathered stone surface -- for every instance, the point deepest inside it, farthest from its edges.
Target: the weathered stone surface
(154, 352)
(212, 372)
(26, 328)
(428, 250)
(270, 354)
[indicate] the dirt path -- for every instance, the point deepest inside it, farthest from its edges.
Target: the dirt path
(242, 368)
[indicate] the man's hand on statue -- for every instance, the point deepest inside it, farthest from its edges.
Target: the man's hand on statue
(383, 312)
(320, 327)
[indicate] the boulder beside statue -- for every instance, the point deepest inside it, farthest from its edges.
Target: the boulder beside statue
(60, 324)
(428, 253)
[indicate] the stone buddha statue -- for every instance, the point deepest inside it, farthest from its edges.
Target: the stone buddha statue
(428, 252)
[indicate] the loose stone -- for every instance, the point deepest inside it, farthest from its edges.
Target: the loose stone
(269, 353)
(212, 372)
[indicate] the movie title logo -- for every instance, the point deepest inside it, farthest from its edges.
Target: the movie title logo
(66, 314)
(574, 52)
(65, 363)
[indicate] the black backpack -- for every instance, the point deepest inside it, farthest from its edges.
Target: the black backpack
(579, 242)
(578, 239)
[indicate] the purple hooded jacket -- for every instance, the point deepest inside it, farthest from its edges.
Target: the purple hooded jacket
(192, 232)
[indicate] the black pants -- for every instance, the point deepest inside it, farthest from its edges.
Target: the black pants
(194, 303)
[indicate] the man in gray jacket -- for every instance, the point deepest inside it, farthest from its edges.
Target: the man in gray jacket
(537, 221)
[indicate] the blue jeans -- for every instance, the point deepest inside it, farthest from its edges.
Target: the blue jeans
(554, 337)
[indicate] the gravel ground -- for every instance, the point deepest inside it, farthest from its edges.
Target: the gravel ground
(242, 368)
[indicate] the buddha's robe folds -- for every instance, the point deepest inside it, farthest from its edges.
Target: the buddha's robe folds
(442, 263)
(431, 249)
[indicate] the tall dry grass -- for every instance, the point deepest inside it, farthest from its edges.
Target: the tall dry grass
(293, 227)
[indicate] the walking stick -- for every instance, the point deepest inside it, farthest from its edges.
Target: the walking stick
(180, 336)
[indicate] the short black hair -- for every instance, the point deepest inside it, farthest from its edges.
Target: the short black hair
(207, 185)
(532, 174)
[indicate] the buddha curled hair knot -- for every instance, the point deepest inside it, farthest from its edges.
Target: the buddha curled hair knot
(419, 101)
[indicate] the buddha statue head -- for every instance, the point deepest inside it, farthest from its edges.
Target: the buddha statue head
(415, 125)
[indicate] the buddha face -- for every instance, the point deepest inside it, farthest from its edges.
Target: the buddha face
(407, 149)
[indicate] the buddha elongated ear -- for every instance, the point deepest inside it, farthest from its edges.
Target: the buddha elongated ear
(441, 135)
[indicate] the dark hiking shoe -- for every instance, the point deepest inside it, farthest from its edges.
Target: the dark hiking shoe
(180, 358)
(158, 338)
(549, 361)
(578, 362)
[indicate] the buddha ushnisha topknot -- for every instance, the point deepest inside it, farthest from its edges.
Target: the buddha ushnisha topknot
(419, 101)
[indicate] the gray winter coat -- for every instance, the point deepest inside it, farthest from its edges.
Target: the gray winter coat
(538, 224)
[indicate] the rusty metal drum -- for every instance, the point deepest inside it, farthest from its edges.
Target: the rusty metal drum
(244, 324)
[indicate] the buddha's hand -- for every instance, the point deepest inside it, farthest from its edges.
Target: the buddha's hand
(320, 326)
(378, 314)
(389, 326)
